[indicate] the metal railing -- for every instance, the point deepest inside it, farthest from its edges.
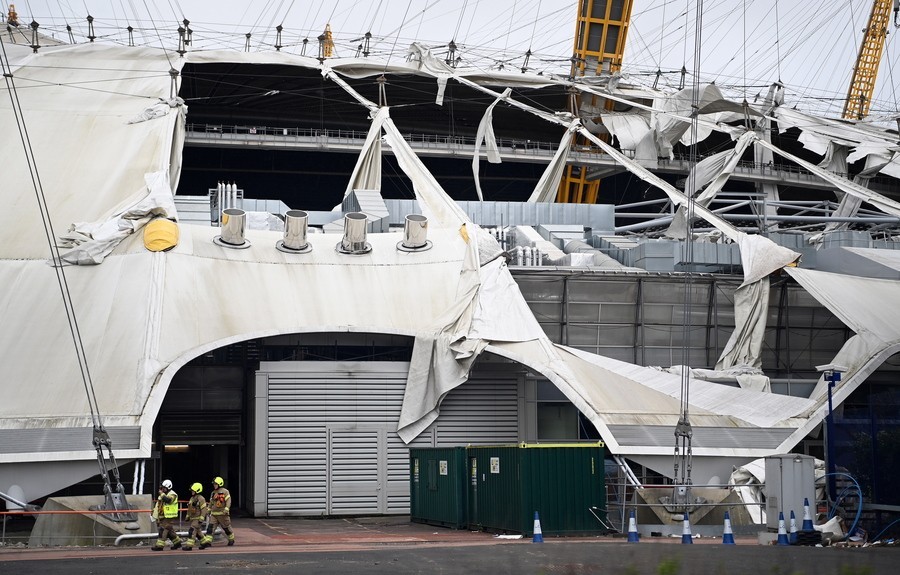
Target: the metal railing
(280, 133)
(96, 538)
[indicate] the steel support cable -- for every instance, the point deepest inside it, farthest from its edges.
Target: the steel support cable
(777, 42)
(269, 28)
(49, 233)
(462, 13)
(491, 53)
(683, 432)
(537, 16)
(397, 37)
(158, 35)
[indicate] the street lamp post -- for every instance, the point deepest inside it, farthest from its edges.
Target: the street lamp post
(832, 377)
(832, 374)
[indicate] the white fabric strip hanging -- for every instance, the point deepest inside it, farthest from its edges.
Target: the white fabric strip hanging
(701, 175)
(486, 134)
(548, 185)
(367, 171)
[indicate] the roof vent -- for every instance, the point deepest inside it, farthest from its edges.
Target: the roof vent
(354, 240)
(415, 234)
(296, 223)
(234, 223)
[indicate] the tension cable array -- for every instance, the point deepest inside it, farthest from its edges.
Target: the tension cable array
(115, 500)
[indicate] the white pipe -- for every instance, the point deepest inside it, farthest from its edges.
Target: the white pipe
(13, 500)
(538, 257)
(220, 192)
(519, 256)
(125, 536)
(234, 195)
(134, 481)
(528, 261)
(141, 484)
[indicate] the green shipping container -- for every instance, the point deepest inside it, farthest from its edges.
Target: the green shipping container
(437, 486)
(564, 483)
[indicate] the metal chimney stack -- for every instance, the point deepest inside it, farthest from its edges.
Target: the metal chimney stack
(354, 240)
(234, 224)
(296, 224)
(415, 234)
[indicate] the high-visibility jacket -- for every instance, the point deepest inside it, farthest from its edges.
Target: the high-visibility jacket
(196, 507)
(220, 501)
(167, 505)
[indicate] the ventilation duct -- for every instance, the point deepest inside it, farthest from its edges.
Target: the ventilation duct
(296, 223)
(234, 224)
(354, 240)
(415, 234)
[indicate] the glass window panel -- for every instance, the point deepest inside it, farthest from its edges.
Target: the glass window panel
(612, 38)
(595, 32)
(598, 10)
(557, 422)
(617, 9)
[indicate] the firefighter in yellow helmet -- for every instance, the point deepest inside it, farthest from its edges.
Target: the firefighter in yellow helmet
(197, 512)
(220, 512)
(165, 511)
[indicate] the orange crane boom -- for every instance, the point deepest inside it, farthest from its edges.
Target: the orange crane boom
(862, 85)
(600, 31)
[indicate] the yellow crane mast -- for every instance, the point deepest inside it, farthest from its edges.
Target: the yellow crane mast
(862, 85)
(600, 31)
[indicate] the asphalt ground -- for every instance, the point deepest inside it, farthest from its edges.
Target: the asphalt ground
(392, 545)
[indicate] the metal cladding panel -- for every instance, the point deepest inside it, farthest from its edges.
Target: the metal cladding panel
(49, 440)
(327, 429)
(438, 486)
(332, 444)
(705, 437)
(484, 410)
(355, 477)
(297, 473)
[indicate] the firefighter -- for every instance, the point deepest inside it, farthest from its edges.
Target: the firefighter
(220, 512)
(197, 512)
(165, 511)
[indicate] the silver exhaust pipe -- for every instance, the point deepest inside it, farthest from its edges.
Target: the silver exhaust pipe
(234, 224)
(354, 240)
(296, 225)
(415, 234)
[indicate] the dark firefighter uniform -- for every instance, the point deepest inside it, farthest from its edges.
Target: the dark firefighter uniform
(220, 512)
(197, 511)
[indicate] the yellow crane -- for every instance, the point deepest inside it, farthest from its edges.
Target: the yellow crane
(600, 31)
(862, 85)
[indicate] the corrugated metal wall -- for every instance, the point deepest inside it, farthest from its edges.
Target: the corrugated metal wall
(332, 446)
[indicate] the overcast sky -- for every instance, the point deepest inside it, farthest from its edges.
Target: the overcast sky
(811, 45)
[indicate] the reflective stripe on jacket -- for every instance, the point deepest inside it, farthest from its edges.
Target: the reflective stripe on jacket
(197, 507)
(220, 500)
(167, 504)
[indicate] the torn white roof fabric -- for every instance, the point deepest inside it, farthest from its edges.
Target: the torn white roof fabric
(144, 315)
